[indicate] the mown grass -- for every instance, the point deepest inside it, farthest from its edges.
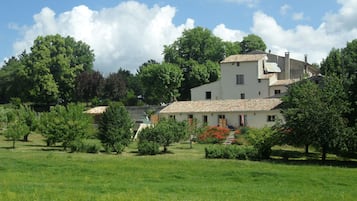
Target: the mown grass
(35, 172)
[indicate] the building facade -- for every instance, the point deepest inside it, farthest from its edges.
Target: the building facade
(226, 113)
(254, 75)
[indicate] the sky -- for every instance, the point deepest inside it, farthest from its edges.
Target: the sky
(125, 34)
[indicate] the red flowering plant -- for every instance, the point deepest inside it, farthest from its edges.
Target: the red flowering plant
(213, 135)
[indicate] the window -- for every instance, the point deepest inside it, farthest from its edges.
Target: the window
(242, 96)
(243, 120)
(259, 80)
(205, 119)
(172, 117)
(271, 118)
(208, 95)
(277, 91)
(190, 116)
(221, 116)
(240, 79)
(238, 63)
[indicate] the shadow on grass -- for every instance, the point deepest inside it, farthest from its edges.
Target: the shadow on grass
(289, 157)
(334, 163)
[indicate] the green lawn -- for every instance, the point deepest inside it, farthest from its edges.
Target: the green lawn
(35, 172)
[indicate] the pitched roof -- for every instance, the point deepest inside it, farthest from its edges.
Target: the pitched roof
(96, 110)
(236, 105)
(243, 57)
(283, 82)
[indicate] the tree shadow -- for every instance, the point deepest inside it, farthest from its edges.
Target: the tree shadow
(290, 157)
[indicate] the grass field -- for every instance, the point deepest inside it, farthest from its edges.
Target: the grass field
(35, 172)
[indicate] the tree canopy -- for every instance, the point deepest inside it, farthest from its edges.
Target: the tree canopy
(161, 82)
(252, 42)
(47, 74)
(314, 114)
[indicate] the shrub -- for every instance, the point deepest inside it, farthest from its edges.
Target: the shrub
(213, 135)
(65, 124)
(263, 140)
(115, 128)
(148, 148)
(166, 132)
(86, 146)
(231, 152)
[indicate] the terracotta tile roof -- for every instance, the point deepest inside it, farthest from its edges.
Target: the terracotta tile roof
(222, 105)
(243, 57)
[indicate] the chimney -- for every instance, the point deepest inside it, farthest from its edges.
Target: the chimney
(305, 57)
(287, 66)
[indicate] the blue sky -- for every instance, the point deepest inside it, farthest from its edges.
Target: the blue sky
(128, 33)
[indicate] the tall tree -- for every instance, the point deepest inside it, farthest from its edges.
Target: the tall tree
(88, 85)
(252, 42)
(343, 63)
(314, 114)
(114, 87)
(194, 48)
(161, 82)
(13, 79)
(114, 128)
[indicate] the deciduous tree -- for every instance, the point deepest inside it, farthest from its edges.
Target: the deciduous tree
(115, 128)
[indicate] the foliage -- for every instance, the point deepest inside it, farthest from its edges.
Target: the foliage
(197, 44)
(263, 139)
(148, 147)
(252, 42)
(343, 63)
(197, 53)
(115, 128)
(13, 79)
(160, 82)
(114, 87)
(88, 85)
(164, 133)
(213, 135)
(85, 145)
(231, 152)
(65, 124)
(16, 130)
(47, 74)
(320, 109)
(19, 122)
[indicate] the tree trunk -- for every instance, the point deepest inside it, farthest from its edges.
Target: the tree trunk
(324, 153)
(26, 137)
(13, 144)
(165, 149)
(306, 149)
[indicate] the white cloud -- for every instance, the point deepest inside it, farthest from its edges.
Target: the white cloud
(302, 39)
(123, 36)
(298, 16)
(298, 41)
(284, 9)
(228, 34)
(345, 19)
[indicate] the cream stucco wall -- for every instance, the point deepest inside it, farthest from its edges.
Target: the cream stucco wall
(199, 93)
(257, 119)
(256, 83)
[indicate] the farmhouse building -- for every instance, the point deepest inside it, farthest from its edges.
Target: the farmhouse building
(247, 93)
(254, 75)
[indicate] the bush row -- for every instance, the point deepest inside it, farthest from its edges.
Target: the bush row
(232, 152)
